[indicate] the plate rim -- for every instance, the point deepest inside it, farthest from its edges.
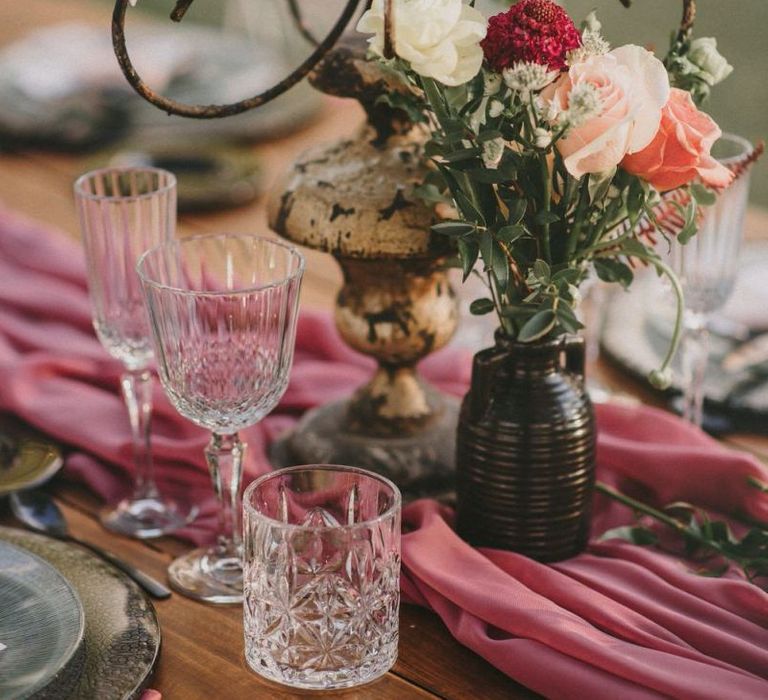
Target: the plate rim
(141, 684)
(78, 642)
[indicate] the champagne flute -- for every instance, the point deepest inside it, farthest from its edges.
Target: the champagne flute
(122, 212)
(223, 311)
(707, 266)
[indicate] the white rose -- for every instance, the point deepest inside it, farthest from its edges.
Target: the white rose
(713, 68)
(440, 39)
(631, 86)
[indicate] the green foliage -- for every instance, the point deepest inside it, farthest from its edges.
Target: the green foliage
(698, 536)
(528, 226)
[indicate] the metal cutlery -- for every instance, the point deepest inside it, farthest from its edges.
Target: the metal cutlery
(39, 512)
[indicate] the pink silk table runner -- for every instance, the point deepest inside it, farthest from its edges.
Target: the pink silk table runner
(619, 621)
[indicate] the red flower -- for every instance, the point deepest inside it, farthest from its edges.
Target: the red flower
(538, 31)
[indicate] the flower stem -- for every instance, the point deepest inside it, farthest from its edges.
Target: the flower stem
(677, 526)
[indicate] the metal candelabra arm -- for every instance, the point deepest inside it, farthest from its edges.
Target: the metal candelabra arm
(215, 111)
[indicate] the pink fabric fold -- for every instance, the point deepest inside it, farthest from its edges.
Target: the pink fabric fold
(618, 621)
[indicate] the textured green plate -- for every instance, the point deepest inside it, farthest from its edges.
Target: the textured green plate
(27, 459)
(122, 634)
(42, 625)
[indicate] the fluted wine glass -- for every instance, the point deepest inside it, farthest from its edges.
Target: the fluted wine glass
(707, 266)
(223, 311)
(122, 212)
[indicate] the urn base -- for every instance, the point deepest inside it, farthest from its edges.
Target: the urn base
(421, 464)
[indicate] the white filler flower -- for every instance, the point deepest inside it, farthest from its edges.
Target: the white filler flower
(439, 38)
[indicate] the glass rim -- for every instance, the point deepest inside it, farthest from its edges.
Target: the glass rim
(746, 145)
(386, 515)
(164, 189)
(179, 242)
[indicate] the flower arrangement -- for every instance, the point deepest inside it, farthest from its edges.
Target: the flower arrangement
(553, 154)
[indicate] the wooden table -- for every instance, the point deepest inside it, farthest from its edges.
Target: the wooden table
(202, 655)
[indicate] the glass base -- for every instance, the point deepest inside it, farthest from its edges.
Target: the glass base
(148, 516)
(211, 574)
(307, 678)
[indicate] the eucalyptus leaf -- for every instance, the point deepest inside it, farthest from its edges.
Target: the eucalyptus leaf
(610, 270)
(494, 258)
(509, 234)
(453, 228)
(537, 326)
(633, 534)
(468, 251)
(545, 217)
(542, 271)
(431, 194)
(480, 307)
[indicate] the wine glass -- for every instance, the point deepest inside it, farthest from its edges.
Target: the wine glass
(707, 267)
(122, 212)
(223, 311)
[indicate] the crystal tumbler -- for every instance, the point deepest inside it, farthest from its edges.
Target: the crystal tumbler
(321, 574)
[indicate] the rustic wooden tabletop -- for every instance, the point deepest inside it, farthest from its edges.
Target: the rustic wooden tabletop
(202, 653)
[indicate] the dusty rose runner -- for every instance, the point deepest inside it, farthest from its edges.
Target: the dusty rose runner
(618, 621)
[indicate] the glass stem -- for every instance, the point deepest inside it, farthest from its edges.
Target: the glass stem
(224, 455)
(694, 365)
(137, 392)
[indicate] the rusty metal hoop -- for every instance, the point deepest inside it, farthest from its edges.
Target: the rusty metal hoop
(215, 111)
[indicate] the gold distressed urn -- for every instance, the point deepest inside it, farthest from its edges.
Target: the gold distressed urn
(354, 199)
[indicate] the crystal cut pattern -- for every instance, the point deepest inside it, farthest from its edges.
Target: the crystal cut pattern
(321, 600)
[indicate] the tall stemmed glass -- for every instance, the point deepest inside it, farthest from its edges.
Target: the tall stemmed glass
(707, 268)
(223, 311)
(122, 212)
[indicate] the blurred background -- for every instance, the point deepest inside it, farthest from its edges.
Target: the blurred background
(60, 88)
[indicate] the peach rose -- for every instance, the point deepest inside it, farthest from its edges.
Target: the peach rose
(613, 102)
(679, 153)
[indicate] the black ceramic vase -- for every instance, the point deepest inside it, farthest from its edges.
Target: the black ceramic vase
(526, 450)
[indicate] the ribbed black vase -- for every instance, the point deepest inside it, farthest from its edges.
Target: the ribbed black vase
(526, 450)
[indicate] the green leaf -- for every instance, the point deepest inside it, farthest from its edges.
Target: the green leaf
(567, 318)
(517, 209)
(598, 185)
(542, 271)
(468, 251)
(453, 228)
(430, 193)
(480, 307)
(468, 208)
(462, 154)
(703, 195)
(690, 228)
(544, 217)
(635, 200)
(569, 275)
(636, 535)
(509, 234)
(537, 326)
(433, 148)
(494, 258)
(610, 270)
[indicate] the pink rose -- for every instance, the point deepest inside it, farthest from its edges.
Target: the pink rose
(615, 110)
(679, 153)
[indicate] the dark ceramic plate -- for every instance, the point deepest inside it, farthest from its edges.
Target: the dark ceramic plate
(122, 634)
(42, 626)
